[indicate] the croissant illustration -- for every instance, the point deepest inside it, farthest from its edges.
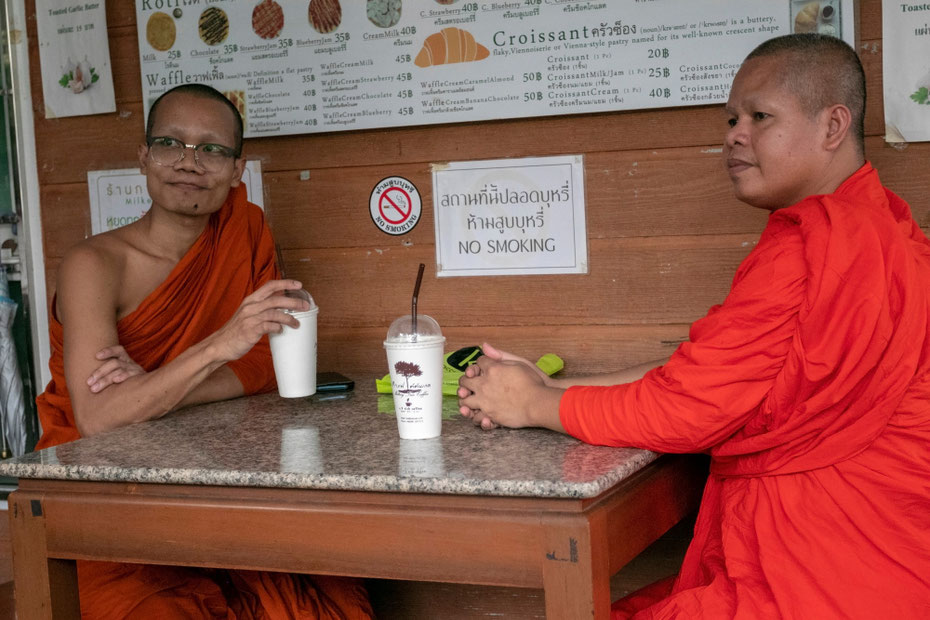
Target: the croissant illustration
(806, 19)
(448, 46)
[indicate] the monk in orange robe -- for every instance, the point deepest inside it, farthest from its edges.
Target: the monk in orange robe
(169, 311)
(809, 385)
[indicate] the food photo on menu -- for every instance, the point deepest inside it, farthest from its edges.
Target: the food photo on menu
(822, 17)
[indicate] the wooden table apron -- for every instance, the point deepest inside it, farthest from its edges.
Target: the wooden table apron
(568, 547)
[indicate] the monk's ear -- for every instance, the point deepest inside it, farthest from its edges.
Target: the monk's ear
(839, 123)
(143, 157)
(238, 169)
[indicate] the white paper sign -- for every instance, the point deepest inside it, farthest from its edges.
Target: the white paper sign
(297, 67)
(74, 54)
(510, 216)
(906, 70)
(120, 197)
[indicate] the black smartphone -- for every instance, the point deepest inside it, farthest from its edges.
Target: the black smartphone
(333, 382)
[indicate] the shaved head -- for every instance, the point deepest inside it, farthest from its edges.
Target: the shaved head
(821, 71)
(202, 91)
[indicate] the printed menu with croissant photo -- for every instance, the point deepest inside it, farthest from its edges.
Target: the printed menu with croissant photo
(307, 66)
(906, 71)
(74, 55)
(820, 16)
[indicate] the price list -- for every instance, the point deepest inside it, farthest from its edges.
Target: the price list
(332, 65)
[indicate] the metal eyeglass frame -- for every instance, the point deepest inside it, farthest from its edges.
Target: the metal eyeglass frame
(228, 153)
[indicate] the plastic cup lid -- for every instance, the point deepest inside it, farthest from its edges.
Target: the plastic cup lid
(401, 330)
(300, 294)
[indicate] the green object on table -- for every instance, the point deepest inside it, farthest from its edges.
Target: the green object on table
(455, 363)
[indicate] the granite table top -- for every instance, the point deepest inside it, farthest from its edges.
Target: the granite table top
(345, 441)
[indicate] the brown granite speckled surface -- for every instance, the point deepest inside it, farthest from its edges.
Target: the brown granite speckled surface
(348, 443)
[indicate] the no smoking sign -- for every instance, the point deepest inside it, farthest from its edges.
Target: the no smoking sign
(395, 205)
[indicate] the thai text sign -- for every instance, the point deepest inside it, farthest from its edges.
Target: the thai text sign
(293, 67)
(510, 216)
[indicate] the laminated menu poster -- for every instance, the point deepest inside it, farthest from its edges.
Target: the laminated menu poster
(304, 66)
(906, 70)
(74, 54)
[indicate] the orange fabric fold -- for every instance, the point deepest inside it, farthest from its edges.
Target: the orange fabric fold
(144, 592)
(810, 388)
(232, 258)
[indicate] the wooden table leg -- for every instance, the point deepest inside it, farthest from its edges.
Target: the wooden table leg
(576, 573)
(44, 588)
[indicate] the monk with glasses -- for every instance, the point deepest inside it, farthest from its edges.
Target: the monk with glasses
(169, 311)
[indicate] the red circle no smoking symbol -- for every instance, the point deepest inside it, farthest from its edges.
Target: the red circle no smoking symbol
(395, 205)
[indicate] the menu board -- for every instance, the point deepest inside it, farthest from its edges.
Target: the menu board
(299, 66)
(906, 70)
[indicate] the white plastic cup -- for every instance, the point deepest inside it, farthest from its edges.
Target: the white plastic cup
(421, 459)
(416, 381)
(300, 450)
(293, 353)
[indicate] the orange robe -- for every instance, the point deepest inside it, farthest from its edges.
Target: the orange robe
(232, 258)
(810, 388)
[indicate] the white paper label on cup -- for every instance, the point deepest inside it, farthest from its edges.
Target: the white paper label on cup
(416, 381)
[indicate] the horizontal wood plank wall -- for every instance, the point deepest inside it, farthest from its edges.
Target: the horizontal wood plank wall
(665, 234)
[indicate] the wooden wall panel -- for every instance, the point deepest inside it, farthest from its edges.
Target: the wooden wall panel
(65, 217)
(665, 233)
(637, 281)
(629, 194)
(587, 349)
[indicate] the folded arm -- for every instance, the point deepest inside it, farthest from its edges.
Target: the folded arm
(117, 366)
(87, 308)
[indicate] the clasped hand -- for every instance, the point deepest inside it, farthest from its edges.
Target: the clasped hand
(502, 390)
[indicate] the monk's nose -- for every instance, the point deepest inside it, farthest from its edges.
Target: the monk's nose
(188, 159)
(736, 134)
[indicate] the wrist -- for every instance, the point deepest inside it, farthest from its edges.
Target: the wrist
(544, 410)
(211, 354)
(559, 383)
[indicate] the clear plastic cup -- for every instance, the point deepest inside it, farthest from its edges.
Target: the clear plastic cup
(415, 362)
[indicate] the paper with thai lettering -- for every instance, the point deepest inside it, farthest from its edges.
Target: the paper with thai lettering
(74, 54)
(510, 216)
(389, 63)
(906, 70)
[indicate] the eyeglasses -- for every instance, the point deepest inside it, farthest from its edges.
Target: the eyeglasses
(167, 151)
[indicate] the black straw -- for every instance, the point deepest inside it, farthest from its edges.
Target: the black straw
(280, 257)
(416, 293)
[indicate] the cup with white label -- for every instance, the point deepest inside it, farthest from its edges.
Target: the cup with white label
(414, 352)
(293, 351)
